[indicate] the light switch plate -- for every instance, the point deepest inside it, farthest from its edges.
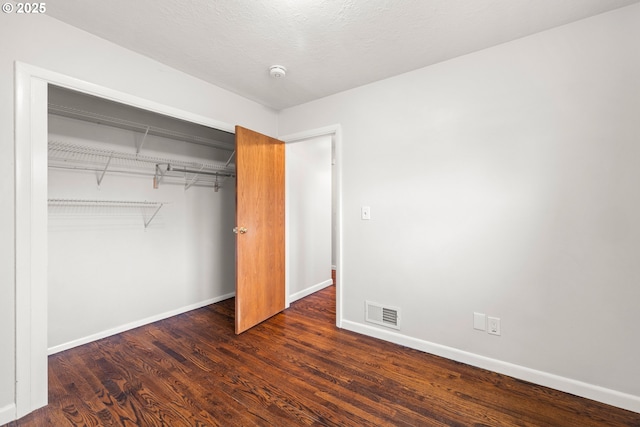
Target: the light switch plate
(366, 212)
(479, 321)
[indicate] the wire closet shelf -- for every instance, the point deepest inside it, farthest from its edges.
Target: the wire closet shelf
(148, 209)
(92, 117)
(63, 155)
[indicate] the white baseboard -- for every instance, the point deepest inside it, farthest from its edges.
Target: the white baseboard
(135, 324)
(310, 290)
(567, 385)
(7, 414)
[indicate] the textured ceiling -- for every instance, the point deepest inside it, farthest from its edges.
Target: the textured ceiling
(327, 46)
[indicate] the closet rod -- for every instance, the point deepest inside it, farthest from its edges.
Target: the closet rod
(199, 183)
(75, 113)
(199, 172)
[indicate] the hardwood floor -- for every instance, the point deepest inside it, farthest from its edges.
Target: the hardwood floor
(296, 368)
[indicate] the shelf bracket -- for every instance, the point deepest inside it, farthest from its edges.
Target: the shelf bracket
(194, 179)
(216, 185)
(146, 223)
(105, 169)
(157, 178)
(139, 146)
(230, 157)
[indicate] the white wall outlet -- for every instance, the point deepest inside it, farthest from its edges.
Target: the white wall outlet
(366, 212)
(494, 326)
(480, 321)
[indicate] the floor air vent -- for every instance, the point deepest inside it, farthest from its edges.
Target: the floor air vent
(381, 315)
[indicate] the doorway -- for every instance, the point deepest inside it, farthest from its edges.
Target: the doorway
(314, 194)
(308, 213)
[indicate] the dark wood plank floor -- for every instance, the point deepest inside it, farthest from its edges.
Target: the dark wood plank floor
(294, 369)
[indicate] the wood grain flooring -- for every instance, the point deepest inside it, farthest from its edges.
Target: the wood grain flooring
(295, 369)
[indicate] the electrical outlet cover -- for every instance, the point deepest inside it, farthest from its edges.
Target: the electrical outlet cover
(494, 325)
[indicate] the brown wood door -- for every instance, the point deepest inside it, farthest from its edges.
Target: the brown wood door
(260, 245)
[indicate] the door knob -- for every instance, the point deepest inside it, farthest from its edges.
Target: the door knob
(240, 230)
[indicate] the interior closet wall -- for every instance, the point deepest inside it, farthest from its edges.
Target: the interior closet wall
(107, 272)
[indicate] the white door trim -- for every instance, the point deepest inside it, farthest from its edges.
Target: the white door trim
(31, 216)
(336, 132)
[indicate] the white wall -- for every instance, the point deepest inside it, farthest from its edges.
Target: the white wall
(108, 273)
(50, 44)
(503, 182)
(309, 201)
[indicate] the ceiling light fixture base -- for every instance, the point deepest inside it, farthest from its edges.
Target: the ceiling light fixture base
(277, 71)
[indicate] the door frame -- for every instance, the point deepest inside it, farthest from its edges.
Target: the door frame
(335, 131)
(30, 106)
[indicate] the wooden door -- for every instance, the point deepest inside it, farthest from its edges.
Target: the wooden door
(260, 240)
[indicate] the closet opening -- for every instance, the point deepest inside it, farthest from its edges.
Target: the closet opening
(140, 212)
